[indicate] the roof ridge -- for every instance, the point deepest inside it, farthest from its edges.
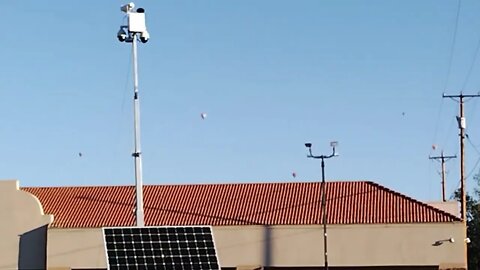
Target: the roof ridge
(414, 200)
(209, 184)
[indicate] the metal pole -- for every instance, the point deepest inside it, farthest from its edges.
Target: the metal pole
(324, 195)
(324, 212)
(137, 154)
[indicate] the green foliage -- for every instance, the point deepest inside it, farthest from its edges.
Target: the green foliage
(473, 224)
(473, 232)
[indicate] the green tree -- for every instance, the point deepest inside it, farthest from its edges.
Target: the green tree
(473, 225)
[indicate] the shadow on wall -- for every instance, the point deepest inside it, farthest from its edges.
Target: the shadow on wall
(32, 249)
(267, 248)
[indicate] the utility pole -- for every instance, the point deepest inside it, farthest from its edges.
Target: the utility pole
(443, 159)
(462, 124)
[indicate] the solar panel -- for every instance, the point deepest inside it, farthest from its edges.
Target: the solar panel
(160, 248)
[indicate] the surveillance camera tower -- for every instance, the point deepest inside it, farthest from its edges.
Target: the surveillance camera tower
(132, 32)
(333, 144)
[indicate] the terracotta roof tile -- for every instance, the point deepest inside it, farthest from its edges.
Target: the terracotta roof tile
(234, 204)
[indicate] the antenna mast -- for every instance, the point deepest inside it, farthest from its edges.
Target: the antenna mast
(131, 33)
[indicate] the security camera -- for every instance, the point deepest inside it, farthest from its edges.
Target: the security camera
(308, 145)
(144, 37)
(467, 240)
(127, 7)
(451, 240)
(121, 35)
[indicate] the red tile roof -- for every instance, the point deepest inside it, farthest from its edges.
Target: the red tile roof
(234, 204)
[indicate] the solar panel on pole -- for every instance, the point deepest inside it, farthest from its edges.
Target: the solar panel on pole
(189, 247)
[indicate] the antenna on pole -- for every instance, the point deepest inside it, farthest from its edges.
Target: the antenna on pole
(442, 158)
(132, 32)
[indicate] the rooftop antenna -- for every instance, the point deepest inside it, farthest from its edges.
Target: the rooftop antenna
(132, 32)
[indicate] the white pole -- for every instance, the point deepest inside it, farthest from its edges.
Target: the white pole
(137, 154)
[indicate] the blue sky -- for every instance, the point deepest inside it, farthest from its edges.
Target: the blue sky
(271, 75)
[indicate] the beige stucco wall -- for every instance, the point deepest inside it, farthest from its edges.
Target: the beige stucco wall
(76, 248)
(349, 245)
(20, 213)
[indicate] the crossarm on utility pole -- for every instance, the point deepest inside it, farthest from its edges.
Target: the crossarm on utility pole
(443, 159)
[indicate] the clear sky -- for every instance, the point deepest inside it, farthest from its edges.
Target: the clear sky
(271, 75)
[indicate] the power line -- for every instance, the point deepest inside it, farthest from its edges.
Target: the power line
(452, 47)
(478, 160)
(471, 143)
(472, 110)
(472, 64)
(437, 123)
(449, 132)
(449, 67)
(474, 168)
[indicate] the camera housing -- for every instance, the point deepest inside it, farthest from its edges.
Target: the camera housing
(127, 7)
(144, 37)
(135, 28)
(121, 35)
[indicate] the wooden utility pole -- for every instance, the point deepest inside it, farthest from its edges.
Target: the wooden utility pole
(443, 159)
(462, 124)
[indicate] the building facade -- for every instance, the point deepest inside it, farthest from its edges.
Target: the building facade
(269, 225)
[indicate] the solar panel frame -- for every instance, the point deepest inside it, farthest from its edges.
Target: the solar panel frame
(168, 255)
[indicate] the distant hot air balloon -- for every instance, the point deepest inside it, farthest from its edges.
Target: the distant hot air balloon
(294, 174)
(434, 146)
(203, 115)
